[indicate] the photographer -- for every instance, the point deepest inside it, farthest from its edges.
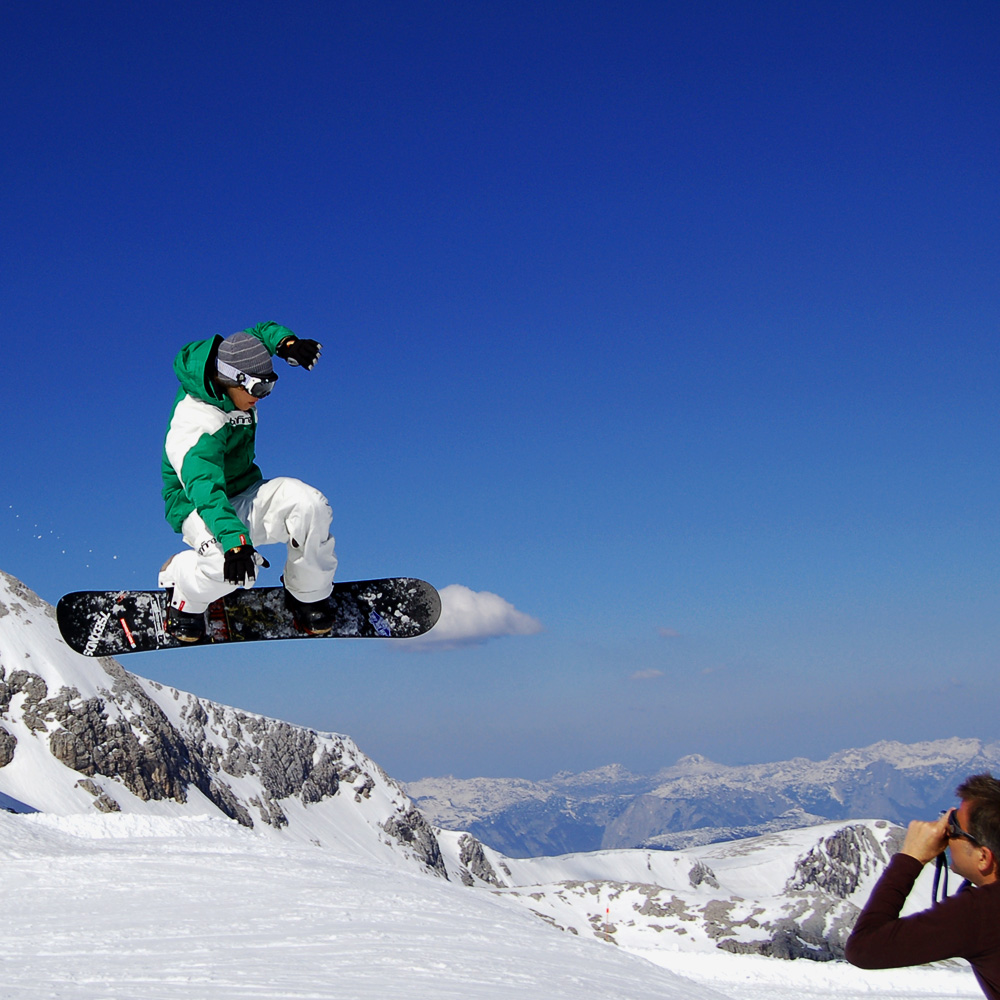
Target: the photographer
(966, 925)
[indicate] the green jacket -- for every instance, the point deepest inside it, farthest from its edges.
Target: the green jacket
(208, 451)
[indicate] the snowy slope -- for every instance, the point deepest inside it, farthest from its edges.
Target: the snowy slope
(97, 907)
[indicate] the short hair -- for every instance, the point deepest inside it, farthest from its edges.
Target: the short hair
(982, 792)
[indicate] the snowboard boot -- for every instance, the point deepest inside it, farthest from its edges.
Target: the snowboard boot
(312, 617)
(185, 626)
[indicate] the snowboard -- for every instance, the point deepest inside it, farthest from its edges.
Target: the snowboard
(111, 623)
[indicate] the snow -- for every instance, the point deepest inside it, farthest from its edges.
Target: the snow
(161, 908)
(751, 977)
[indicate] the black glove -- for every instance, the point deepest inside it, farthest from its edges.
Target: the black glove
(299, 352)
(240, 566)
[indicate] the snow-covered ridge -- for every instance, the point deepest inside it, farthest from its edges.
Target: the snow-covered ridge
(794, 894)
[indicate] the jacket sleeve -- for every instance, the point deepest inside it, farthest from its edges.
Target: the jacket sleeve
(881, 939)
(270, 334)
(205, 486)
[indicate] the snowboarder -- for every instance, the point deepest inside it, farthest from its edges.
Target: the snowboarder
(216, 496)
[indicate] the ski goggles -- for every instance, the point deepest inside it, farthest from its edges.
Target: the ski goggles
(257, 385)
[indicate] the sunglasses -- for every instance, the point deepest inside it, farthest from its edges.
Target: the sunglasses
(257, 385)
(955, 831)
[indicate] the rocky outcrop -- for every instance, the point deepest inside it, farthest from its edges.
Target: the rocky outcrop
(838, 863)
(103, 802)
(475, 864)
(124, 735)
(701, 874)
(411, 828)
(7, 744)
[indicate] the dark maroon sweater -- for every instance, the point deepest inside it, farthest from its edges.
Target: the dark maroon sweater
(966, 925)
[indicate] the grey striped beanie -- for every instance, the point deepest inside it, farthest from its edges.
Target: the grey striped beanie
(247, 353)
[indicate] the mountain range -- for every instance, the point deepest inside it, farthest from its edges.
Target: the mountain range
(697, 801)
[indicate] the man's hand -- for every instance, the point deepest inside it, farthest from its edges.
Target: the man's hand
(240, 566)
(925, 841)
(299, 352)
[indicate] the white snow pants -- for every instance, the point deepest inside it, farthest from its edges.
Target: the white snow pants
(275, 510)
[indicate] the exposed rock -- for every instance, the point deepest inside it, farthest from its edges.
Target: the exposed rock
(102, 801)
(474, 861)
(90, 742)
(702, 873)
(364, 790)
(838, 864)
(8, 741)
(126, 736)
(323, 780)
(811, 889)
(411, 828)
(35, 691)
(270, 812)
(654, 907)
(788, 942)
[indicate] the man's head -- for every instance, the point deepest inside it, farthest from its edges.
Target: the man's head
(244, 369)
(975, 844)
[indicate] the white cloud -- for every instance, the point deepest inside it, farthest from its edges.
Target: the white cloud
(647, 675)
(469, 617)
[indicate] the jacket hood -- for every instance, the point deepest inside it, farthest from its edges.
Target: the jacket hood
(194, 367)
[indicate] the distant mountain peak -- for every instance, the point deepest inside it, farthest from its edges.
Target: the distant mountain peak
(696, 762)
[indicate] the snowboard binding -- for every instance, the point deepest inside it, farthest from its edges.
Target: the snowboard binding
(311, 617)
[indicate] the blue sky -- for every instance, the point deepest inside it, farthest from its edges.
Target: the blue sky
(674, 325)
